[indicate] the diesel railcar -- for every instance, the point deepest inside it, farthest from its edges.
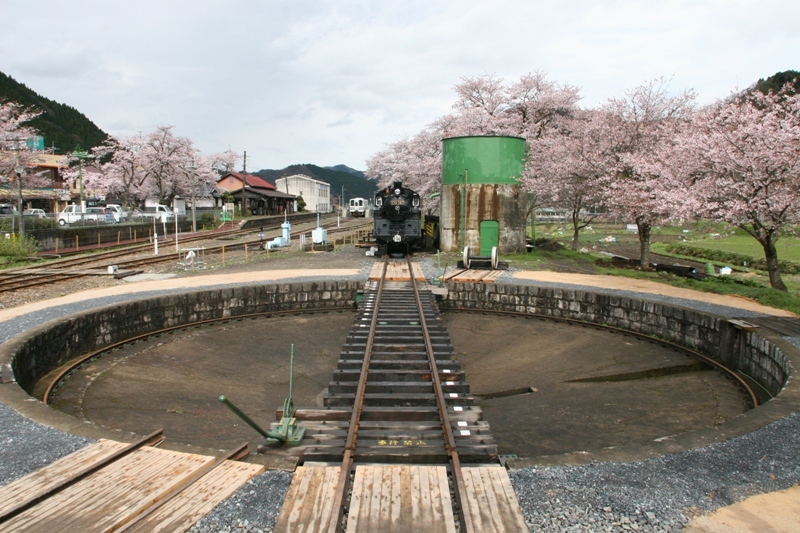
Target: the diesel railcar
(357, 207)
(397, 219)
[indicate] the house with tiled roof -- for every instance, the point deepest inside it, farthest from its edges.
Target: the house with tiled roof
(260, 196)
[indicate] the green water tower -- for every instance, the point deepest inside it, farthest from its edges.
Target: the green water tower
(482, 202)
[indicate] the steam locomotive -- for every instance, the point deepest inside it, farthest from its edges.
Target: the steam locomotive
(397, 224)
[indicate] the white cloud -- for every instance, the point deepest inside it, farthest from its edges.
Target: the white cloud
(332, 82)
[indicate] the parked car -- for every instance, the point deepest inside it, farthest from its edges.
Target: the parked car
(72, 213)
(160, 212)
(120, 215)
(100, 214)
(38, 213)
(6, 210)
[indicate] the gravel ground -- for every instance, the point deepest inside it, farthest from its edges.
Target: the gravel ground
(659, 494)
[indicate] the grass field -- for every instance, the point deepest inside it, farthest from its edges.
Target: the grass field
(743, 281)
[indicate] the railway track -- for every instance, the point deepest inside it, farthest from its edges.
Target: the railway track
(112, 486)
(98, 263)
(400, 410)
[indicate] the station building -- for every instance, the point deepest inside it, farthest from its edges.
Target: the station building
(316, 194)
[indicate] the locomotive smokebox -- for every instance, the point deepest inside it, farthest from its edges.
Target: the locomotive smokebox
(482, 202)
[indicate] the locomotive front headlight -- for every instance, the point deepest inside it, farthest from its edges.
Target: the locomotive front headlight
(397, 192)
(397, 238)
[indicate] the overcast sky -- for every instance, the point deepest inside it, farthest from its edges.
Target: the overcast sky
(332, 82)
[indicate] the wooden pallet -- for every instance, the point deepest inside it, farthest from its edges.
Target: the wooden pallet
(396, 272)
(117, 494)
(473, 275)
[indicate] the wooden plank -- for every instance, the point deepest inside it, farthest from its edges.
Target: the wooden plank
(490, 501)
(113, 496)
(473, 276)
(53, 474)
(396, 272)
(308, 506)
(375, 273)
(183, 511)
(395, 498)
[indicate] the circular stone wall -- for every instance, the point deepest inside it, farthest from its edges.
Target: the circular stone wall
(768, 358)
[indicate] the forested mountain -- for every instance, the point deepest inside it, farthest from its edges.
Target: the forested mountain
(777, 81)
(63, 127)
(355, 183)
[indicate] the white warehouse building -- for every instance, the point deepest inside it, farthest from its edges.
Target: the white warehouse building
(316, 194)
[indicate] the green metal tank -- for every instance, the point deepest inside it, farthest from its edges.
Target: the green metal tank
(487, 159)
(482, 202)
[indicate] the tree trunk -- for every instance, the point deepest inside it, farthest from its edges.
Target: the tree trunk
(771, 254)
(644, 243)
(576, 229)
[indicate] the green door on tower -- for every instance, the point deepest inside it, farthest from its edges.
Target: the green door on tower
(490, 236)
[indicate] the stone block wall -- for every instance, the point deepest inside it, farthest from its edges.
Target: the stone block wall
(708, 334)
(46, 347)
(43, 349)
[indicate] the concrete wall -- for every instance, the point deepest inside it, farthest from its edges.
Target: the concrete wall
(43, 349)
(750, 352)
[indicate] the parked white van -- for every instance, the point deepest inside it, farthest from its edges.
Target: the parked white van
(72, 213)
(162, 213)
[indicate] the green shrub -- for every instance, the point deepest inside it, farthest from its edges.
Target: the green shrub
(17, 248)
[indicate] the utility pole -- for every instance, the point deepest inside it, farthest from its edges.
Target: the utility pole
(244, 182)
(80, 155)
(192, 168)
(19, 171)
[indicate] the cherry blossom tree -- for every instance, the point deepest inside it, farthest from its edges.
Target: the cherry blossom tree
(485, 105)
(166, 155)
(416, 161)
(742, 160)
(568, 166)
(157, 165)
(637, 126)
(15, 160)
(123, 171)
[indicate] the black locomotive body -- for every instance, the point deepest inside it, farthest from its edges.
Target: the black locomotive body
(397, 224)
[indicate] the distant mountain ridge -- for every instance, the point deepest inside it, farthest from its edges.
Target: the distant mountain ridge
(63, 127)
(355, 183)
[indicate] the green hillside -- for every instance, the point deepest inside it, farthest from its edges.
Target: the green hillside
(63, 127)
(355, 183)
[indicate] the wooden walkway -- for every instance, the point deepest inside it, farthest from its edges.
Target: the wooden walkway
(473, 275)
(116, 496)
(399, 272)
(396, 272)
(401, 498)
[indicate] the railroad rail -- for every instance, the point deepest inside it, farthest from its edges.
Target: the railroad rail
(399, 411)
(113, 486)
(64, 269)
